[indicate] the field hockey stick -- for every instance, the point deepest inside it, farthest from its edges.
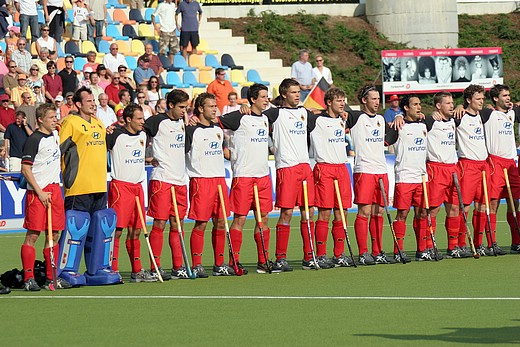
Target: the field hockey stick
(463, 211)
(343, 220)
(145, 232)
(486, 202)
(385, 202)
(429, 218)
(191, 274)
(511, 200)
(311, 243)
(238, 271)
(260, 227)
(51, 245)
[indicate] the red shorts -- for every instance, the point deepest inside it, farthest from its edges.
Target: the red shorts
(471, 180)
(441, 188)
(121, 197)
(324, 176)
(204, 199)
(497, 187)
(36, 213)
(289, 185)
(242, 196)
(367, 190)
(160, 204)
(407, 195)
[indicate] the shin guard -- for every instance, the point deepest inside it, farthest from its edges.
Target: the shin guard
(72, 242)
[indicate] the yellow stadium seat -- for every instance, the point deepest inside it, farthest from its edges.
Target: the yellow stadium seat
(198, 91)
(146, 30)
(33, 49)
(87, 46)
(204, 48)
(238, 77)
(197, 62)
(206, 77)
(124, 48)
(137, 46)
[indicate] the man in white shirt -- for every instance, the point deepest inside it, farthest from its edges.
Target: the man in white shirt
(28, 17)
(302, 72)
(114, 59)
(104, 112)
(166, 28)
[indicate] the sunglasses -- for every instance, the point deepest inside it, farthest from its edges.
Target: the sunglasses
(69, 61)
(35, 69)
(45, 29)
(114, 49)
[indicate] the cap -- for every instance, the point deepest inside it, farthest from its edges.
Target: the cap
(69, 94)
(145, 59)
(394, 98)
(14, 29)
(22, 76)
(37, 84)
(101, 67)
(122, 67)
(59, 98)
(4, 97)
(119, 112)
(88, 69)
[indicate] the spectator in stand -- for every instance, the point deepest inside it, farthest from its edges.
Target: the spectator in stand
(46, 41)
(27, 107)
(221, 88)
(86, 78)
(138, 4)
(10, 43)
(232, 103)
(54, 11)
(16, 93)
(98, 20)
(68, 104)
(7, 114)
(104, 112)
(58, 102)
(35, 77)
(393, 110)
(126, 81)
(91, 61)
(143, 72)
(147, 110)
(154, 92)
(166, 28)
(94, 87)
(113, 89)
(53, 82)
(11, 78)
(69, 77)
(81, 17)
(15, 136)
(191, 12)
(114, 59)
(155, 62)
(41, 62)
(28, 17)
(322, 71)
(125, 100)
(160, 106)
(39, 94)
(301, 71)
(104, 77)
(22, 57)
(4, 166)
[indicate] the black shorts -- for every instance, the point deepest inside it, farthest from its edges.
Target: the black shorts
(189, 36)
(86, 202)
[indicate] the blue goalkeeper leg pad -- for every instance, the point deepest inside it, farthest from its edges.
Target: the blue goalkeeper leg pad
(72, 242)
(99, 248)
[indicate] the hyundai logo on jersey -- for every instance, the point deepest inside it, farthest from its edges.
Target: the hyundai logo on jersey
(478, 130)
(375, 132)
(507, 125)
(213, 145)
(136, 153)
(96, 135)
(419, 141)
(338, 133)
(180, 137)
(261, 132)
(451, 136)
(298, 125)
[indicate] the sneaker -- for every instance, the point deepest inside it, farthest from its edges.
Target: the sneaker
(324, 262)
(165, 276)
(60, 284)
(244, 270)
(439, 254)
(367, 259)
(142, 276)
(381, 258)
(281, 265)
(309, 264)
(424, 256)
(31, 286)
(263, 268)
(498, 250)
(180, 273)
(454, 253)
(466, 252)
(200, 271)
(515, 249)
(4, 290)
(223, 270)
(342, 261)
(483, 251)
(397, 257)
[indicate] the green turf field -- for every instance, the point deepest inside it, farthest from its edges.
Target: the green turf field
(454, 302)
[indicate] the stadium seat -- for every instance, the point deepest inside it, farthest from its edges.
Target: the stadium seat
(167, 65)
(33, 49)
(148, 15)
(197, 91)
(189, 78)
(155, 45)
(212, 61)
(227, 60)
(115, 4)
(70, 16)
(113, 32)
(146, 30)
(132, 62)
(110, 20)
(238, 77)
(3, 46)
(61, 63)
(129, 31)
(234, 84)
(137, 46)
(124, 48)
(243, 92)
(180, 63)
(104, 47)
(120, 16)
(61, 54)
(254, 76)
(79, 63)
(41, 17)
(136, 15)
(72, 48)
(196, 62)
(204, 48)
(173, 79)
(206, 77)
(88, 46)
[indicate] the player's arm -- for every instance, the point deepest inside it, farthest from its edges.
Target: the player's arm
(230, 121)
(485, 113)
(429, 121)
(352, 118)
(190, 130)
(391, 135)
(30, 150)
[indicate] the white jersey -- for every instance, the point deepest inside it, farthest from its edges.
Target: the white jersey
(289, 133)
(249, 145)
(368, 137)
(204, 152)
(42, 152)
(499, 130)
(441, 141)
(327, 136)
(127, 157)
(168, 141)
(410, 152)
(471, 139)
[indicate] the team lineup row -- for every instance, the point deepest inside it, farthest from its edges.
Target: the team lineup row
(426, 162)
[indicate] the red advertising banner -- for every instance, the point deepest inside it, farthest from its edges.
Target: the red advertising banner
(432, 70)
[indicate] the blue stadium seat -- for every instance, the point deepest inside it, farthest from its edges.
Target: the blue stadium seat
(113, 32)
(115, 4)
(243, 92)
(155, 45)
(136, 15)
(3, 46)
(61, 54)
(79, 63)
(110, 21)
(104, 47)
(72, 48)
(189, 78)
(180, 63)
(167, 65)
(70, 16)
(227, 60)
(254, 76)
(173, 79)
(132, 62)
(212, 61)
(148, 15)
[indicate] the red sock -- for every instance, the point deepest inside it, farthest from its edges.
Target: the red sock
(452, 228)
(197, 246)
(307, 253)
(338, 234)
(490, 235)
(115, 254)
(156, 242)
(322, 233)
(259, 249)
(376, 232)
(282, 240)
(175, 246)
(400, 232)
(28, 257)
(422, 226)
(462, 231)
(429, 242)
(236, 242)
(218, 240)
(133, 247)
(515, 238)
(48, 263)
(479, 224)
(361, 230)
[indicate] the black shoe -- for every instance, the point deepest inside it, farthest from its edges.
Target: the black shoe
(199, 271)
(165, 276)
(4, 290)
(281, 265)
(223, 270)
(497, 250)
(367, 259)
(406, 258)
(424, 256)
(342, 261)
(31, 286)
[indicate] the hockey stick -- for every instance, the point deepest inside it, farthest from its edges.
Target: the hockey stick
(191, 274)
(429, 218)
(463, 211)
(260, 227)
(385, 201)
(311, 243)
(511, 200)
(145, 232)
(486, 201)
(343, 220)
(51, 245)
(238, 271)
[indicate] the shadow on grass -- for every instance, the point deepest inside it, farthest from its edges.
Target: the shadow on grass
(503, 335)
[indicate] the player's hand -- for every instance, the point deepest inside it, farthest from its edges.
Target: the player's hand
(398, 122)
(245, 109)
(110, 129)
(45, 198)
(155, 162)
(421, 116)
(458, 112)
(194, 120)
(437, 116)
